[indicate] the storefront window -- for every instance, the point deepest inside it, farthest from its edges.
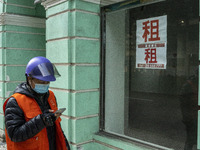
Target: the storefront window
(151, 56)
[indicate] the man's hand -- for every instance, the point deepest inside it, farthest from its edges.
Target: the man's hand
(49, 117)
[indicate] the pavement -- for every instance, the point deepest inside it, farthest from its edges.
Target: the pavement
(3, 146)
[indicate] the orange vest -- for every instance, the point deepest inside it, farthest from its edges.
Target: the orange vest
(40, 141)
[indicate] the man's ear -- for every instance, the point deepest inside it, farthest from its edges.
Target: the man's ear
(29, 80)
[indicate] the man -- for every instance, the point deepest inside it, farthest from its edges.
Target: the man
(31, 123)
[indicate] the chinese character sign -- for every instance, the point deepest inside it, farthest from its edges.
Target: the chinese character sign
(151, 43)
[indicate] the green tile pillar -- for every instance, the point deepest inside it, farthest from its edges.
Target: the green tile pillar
(73, 45)
(22, 36)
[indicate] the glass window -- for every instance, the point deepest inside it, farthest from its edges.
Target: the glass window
(151, 55)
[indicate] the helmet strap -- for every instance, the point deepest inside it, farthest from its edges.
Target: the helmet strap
(27, 80)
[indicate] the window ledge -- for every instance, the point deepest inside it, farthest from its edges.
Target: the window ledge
(124, 143)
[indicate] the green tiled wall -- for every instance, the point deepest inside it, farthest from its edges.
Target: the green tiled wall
(78, 104)
(63, 82)
(1, 104)
(85, 104)
(77, 77)
(25, 40)
(85, 77)
(73, 44)
(18, 44)
(85, 51)
(74, 51)
(83, 129)
(17, 54)
(19, 10)
(65, 6)
(58, 22)
(79, 130)
(78, 4)
(9, 87)
(21, 2)
(1, 7)
(2, 92)
(1, 120)
(15, 73)
(87, 25)
(64, 98)
(24, 29)
(87, 6)
(24, 7)
(62, 51)
(72, 24)
(66, 127)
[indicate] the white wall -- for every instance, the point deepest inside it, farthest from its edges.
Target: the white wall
(115, 75)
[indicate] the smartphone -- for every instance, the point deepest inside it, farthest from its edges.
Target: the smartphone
(60, 111)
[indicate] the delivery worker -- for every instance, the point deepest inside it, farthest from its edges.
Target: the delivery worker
(30, 119)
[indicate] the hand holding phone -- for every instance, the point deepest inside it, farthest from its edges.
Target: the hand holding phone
(60, 111)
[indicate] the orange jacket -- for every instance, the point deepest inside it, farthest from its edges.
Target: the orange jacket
(40, 141)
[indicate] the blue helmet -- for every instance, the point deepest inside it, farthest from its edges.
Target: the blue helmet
(41, 68)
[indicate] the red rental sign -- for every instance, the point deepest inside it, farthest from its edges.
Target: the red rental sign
(151, 43)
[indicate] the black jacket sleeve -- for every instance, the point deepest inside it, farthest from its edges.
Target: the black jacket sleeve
(18, 129)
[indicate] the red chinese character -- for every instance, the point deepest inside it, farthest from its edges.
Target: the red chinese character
(146, 30)
(153, 56)
(147, 55)
(154, 28)
(150, 54)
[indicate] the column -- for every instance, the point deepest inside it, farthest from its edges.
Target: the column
(73, 45)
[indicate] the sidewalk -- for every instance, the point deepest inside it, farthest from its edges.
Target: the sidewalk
(2, 146)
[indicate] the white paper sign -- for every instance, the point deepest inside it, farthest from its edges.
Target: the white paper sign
(151, 43)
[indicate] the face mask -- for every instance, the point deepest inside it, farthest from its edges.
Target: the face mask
(41, 88)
